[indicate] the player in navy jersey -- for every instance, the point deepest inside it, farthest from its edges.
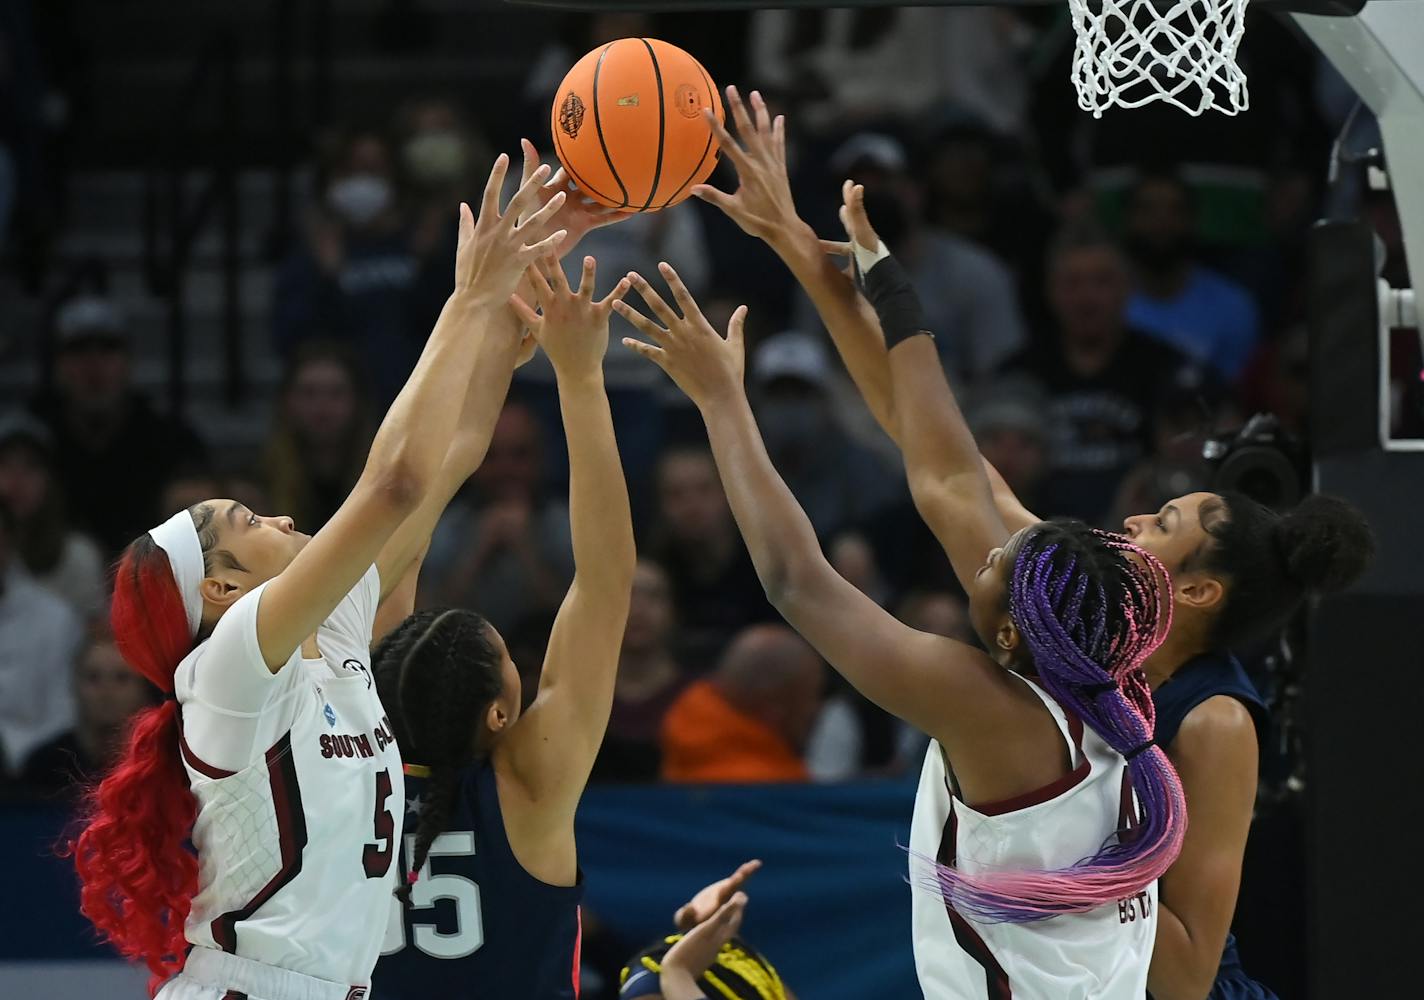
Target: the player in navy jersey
(491, 908)
(1238, 570)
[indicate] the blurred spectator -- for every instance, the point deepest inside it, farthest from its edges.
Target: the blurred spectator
(969, 296)
(854, 559)
(978, 186)
(1279, 381)
(938, 612)
(1010, 423)
(107, 693)
(1176, 300)
(748, 722)
(442, 155)
(1187, 412)
(845, 67)
(715, 588)
(649, 681)
(366, 271)
(61, 560)
(838, 481)
(504, 548)
(39, 639)
(318, 442)
(189, 487)
(105, 431)
(1102, 377)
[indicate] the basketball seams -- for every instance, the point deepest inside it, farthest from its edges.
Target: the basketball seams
(662, 123)
(598, 127)
(705, 150)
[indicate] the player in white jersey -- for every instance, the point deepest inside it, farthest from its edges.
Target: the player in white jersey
(274, 755)
(1067, 615)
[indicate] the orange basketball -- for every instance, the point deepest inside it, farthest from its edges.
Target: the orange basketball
(628, 125)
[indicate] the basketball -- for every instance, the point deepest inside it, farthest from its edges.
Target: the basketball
(628, 126)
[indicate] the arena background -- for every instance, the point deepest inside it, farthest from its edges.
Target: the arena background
(165, 172)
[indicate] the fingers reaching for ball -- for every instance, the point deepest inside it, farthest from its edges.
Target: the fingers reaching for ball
(705, 365)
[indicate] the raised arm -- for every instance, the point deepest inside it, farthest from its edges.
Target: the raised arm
(946, 688)
(553, 746)
(416, 434)
(947, 478)
(763, 207)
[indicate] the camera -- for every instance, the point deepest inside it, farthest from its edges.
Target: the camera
(1261, 461)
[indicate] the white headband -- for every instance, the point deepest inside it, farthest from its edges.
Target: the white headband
(179, 539)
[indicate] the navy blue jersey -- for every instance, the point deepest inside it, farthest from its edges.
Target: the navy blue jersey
(1205, 677)
(479, 926)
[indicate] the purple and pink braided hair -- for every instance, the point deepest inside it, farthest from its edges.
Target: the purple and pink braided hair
(1091, 607)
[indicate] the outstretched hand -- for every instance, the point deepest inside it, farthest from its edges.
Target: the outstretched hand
(578, 216)
(762, 204)
(493, 251)
(855, 221)
(695, 953)
(571, 326)
(705, 365)
(710, 898)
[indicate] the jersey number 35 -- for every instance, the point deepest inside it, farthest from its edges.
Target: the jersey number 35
(469, 933)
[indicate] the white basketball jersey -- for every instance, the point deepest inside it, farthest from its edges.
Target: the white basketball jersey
(300, 795)
(1102, 954)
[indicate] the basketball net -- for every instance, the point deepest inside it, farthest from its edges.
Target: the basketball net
(1134, 52)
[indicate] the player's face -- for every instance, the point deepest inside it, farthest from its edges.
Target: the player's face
(260, 546)
(1174, 533)
(989, 594)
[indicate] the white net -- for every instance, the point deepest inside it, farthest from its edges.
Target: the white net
(1134, 52)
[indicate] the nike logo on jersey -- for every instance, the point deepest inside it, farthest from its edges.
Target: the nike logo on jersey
(358, 668)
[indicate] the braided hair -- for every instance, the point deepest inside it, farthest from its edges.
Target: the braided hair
(436, 674)
(1090, 607)
(739, 972)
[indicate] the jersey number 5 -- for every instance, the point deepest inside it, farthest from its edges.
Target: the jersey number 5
(469, 933)
(374, 857)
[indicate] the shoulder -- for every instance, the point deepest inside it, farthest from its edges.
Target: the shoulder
(1220, 729)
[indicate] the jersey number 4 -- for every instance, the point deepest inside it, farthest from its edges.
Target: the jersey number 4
(469, 933)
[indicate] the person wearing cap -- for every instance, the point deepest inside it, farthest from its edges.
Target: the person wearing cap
(968, 293)
(40, 635)
(272, 755)
(839, 482)
(63, 561)
(106, 433)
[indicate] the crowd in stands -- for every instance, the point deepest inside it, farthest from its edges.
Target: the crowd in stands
(1099, 313)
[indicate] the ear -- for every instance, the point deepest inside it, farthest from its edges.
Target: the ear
(1198, 591)
(220, 593)
(496, 718)
(1007, 637)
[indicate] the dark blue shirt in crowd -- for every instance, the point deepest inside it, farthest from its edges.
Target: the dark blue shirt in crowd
(381, 301)
(1207, 676)
(480, 927)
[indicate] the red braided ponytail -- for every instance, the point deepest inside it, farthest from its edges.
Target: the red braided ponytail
(137, 876)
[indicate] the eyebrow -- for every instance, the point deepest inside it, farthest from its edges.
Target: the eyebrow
(1171, 510)
(232, 512)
